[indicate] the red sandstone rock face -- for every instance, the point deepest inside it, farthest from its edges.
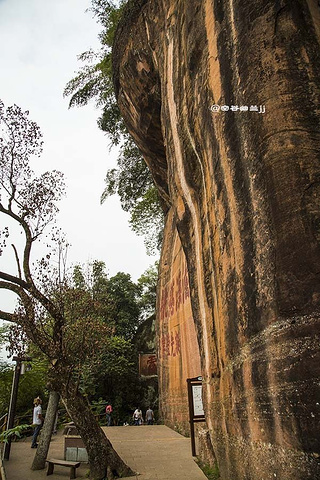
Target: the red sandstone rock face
(242, 189)
(178, 350)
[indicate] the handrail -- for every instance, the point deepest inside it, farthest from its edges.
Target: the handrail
(30, 415)
(3, 426)
(2, 471)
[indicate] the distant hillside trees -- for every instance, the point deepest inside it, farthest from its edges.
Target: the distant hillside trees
(123, 305)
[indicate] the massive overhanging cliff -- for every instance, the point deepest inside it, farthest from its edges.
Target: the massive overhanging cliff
(241, 190)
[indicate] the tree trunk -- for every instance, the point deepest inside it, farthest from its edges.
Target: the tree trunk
(39, 461)
(103, 459)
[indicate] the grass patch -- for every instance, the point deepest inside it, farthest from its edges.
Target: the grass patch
(211, 472)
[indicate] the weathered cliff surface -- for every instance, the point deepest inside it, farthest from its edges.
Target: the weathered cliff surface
(242, 190)
(178, 350)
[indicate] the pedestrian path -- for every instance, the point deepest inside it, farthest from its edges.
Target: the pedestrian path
(154, 452)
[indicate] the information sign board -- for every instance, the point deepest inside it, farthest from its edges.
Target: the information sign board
(196, 410)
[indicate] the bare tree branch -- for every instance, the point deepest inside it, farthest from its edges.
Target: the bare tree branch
(17, 259)
(29, 240)
(9, 317)
(35, 332)
(14, 280)
(14, 287)
(22, 287)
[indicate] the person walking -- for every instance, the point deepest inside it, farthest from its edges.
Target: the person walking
(149, 416)
(37, 420)
(137, 416)
(108, 414)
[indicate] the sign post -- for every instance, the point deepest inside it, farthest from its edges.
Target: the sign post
(13, 400)
(196, 412)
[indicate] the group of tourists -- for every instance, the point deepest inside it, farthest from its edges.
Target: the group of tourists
(38, 418)
(137, 416)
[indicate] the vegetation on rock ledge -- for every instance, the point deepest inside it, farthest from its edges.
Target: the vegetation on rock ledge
(131, 180)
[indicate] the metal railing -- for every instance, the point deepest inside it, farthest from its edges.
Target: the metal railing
(3, 427)
(2, 471)
(4, 424)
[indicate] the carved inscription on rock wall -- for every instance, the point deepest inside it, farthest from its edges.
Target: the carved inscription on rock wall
(179, 356)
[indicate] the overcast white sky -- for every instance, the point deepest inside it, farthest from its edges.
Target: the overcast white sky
(39, 43)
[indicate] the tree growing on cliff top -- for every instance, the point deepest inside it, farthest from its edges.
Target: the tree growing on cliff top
(131, 180)
(30, 202)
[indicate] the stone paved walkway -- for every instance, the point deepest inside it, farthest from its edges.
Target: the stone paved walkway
(155, 452)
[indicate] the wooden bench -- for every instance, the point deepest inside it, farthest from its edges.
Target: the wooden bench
(64, 463)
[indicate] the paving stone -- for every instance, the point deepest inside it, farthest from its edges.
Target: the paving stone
(156, 452)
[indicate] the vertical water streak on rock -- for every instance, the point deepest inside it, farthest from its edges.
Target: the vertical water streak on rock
(214, 67)
(254, 405)
(235, 259)
(214, 355)
(195, 224)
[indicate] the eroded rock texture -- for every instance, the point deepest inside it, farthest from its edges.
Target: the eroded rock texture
(242, 190)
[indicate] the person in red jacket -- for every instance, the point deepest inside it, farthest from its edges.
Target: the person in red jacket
(108, 414)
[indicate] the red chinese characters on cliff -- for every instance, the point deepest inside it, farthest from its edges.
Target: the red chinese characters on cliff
(174, 295)
(147, 364)
(171, 344)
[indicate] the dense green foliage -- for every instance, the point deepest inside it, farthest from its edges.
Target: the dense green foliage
(32, 384)
(124, 308)
(110, 372)
(148, 290)
(113, 374)
(6, 375)
(94, 79)
(14, 433)
(131, 180)
(120, 302)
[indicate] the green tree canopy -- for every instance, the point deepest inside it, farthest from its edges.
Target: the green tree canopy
(120, 302)
(148, 293)
(125, 312)
(32, 383)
